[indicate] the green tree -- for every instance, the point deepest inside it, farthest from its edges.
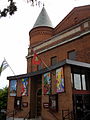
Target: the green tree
(3, 102)
(3, 98)
(12, 8)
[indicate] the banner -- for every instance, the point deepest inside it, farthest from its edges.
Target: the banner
(13, 87)
(59, 80)
(24, 88)
(47, 84)
(36, 60)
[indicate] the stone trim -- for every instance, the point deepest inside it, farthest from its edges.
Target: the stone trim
(59, 44)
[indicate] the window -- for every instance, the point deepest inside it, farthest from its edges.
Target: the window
(17, 103)
(83, 82)
(53, 102)
(79, 81)
(53, 60)
(72, 55)
(80, 78)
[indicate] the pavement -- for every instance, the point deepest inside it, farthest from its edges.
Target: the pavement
(23, 118)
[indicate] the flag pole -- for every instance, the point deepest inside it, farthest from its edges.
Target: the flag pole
(12, 70)
(44, 63)
(10, 67)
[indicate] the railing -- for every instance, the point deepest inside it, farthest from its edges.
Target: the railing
(28, 115)
(2, 114)
(87, 115)
(68, 116)
(11, 114)
(53, 115)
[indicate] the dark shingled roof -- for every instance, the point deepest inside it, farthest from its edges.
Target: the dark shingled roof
(43, 19)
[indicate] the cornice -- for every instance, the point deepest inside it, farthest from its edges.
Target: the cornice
(59, 44)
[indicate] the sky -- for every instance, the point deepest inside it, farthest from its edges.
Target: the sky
(14, 31)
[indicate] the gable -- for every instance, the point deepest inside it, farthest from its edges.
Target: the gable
(77, 15)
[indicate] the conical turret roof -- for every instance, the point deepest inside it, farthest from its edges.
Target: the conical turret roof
(43, 19)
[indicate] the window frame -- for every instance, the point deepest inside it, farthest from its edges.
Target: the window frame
(68, 54)
(81, 82)
(54, 58)
(16, 101)
(81, 71)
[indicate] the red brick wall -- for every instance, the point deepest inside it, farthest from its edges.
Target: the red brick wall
(81, 46)
(76, 16)
(64, 99)
(39, 34)
(10, 106)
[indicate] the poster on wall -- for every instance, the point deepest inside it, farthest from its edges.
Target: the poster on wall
(13, 87)
(59, 80)
(24, 87)
(47, 84)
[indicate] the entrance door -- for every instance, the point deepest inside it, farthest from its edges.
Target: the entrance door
(39, 102)
(79, 107)
(35, 96)
(82, 106)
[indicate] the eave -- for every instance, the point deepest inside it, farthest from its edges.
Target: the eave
(50, 68)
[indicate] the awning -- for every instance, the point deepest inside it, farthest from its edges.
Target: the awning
(42, 71)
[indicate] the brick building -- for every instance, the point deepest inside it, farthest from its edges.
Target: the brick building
(58, 88)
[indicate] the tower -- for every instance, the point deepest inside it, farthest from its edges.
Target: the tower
(42, 28)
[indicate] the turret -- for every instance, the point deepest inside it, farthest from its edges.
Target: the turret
(42, 28)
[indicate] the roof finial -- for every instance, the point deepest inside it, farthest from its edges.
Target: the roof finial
(43, 4)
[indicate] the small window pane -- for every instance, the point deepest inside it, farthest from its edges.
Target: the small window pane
(72, 55)
(53, 60)
(17, 103)
(77, 81)
(83, 82)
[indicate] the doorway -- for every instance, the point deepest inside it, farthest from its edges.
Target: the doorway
(82, 106)
(36, 96)
(39, 102)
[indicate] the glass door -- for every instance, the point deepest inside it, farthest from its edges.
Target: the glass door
(82, 106)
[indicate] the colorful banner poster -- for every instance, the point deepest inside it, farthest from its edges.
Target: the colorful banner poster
(47, 84)
(59, 80)
(24, 88)
(13, 87)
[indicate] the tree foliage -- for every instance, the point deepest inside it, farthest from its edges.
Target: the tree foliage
(9, 9)
(3, 98)
(12, 8)
(34, 2)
